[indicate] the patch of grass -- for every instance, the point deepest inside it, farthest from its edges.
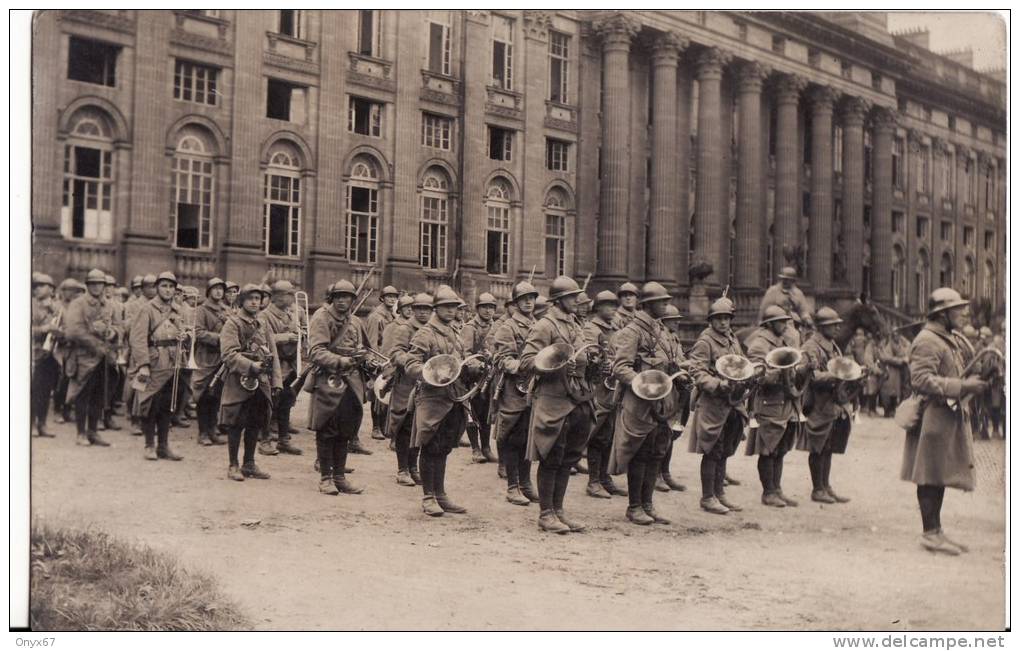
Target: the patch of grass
(89, 581)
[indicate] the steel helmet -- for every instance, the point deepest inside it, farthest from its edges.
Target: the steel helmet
(388, 290)
(68, 283)
(123, 291)
(672, 312)
(583, 298)
(405, 300)
(523, 289)
(721, 307)
(42, 279)
(230, 284)
(627, 288)
(541, 304)
(110, 280)
(562, 287)
(167, 275)
(191, 290)
(605, 296)
(774, 313)
(78, 285)
(827, 316)
(283, 287)
(149, 279)
(421, 299)
(249, 288)
(944, 298)
(213, 282)
(342, 287)
(445, 296)
(485, 298)
(136, 282)
(95, 276)
(653, 291)
(788, 272)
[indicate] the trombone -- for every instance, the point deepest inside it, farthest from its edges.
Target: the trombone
(300, 309)
(191, 364)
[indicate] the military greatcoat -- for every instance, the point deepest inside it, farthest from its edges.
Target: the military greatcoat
(243, 342)
(712, 408)
(432, 404)
(333, 338)
(156, 343)
(508, 343)
(209, 319)
(396, 344)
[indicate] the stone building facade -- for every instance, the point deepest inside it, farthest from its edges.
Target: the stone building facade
(473, 147)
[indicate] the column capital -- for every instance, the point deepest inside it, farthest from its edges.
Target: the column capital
(985, 159)
(711, 62)
(823, 98)
(854, 110)
(942, 146)
(963, 153)
(914, 139)
(616, 30)
(750, 75)
(537, 24)
(667, 47)
(884, 118)
(788, 87)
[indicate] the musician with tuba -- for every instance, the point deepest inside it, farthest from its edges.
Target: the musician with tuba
(825, 405)
(474, 337)
(336, 345)
(775, 406)
(600, 330)
(396, 345)
(46, 316)
(283, 323)
(210, 316)
(510, 408)
(251, 380)
(160, 342)
(375, 324)
(641, 433)
(439, 419)
(561, 411)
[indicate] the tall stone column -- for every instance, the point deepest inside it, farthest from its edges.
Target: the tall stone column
(787, 214)
(854, 111)
(750, 215)
(665, 193)
(884, 121)
(617, 32)
(711, 229)
(820, 233)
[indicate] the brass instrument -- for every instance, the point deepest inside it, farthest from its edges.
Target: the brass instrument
(192, 362)
(256, 353)
(740, 372)
(786, 359)
(175, 385)
(443, 370)
(50, 343)
(300, 309)
(849, 376)
(655, 385)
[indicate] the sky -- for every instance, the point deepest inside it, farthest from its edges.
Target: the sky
(985, 33)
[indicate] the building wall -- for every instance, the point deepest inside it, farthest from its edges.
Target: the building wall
(144, 124)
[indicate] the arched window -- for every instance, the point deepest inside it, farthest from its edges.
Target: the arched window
(87, 193)
(989, 284)
(922, 280)
(363, 211)
(899, 278)
(556, 205)
(434, 219)
(192, 198)
(967, 282)
(282, 225)
(497, 227)
(946, 271)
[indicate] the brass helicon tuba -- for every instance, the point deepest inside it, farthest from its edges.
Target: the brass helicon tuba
(787, 359)
(740, 372)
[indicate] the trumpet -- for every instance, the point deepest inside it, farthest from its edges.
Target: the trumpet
(300, 309)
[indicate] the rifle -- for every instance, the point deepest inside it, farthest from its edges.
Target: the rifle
(587, 280)
(531, 276)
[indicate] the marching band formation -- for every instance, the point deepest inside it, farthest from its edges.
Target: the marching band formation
(549, 381)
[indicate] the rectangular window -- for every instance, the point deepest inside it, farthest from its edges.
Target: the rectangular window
(897, 162)
(434, 219)
(968, 236)
(876, 80)
(370, 33)
(989, 240)
(500, 143)
(946, 231)
(87, 193)
(281, 228)
(290, 23)
(195, 83)
(989, 189)
(557, 155)
(92, 61)
(846, 69)
(922, 228)
(362, 223)
(924, 169)
(191, 203)
(364, 117)
(555, 245)
(899, 223)
(280, 99)
(502, 52)
(497, 240)
(559, 66)
(435, 131)
(948, 191)
(439, 48)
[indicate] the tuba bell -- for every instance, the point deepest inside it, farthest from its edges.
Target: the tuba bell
(654, 385)
(740, 372)
(443, 370)
(786, 359)
(849, 375)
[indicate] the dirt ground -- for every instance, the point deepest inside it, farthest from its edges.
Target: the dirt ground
(375, 561)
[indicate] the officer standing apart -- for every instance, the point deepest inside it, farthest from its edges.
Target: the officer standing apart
(474, 337)
(335, 349)
(396, 345)
(438, 418)
(561, 411)
(282, 325)
(159, 350)
(90, 329)
(938, 451)
(251, 380)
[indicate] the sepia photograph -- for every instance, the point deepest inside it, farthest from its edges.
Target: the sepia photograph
(510, 320)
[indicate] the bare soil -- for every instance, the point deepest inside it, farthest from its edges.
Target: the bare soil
(295, 559)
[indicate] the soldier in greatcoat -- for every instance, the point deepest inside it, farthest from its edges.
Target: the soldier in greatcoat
(251, 379)
(680, 407)
(600, 329)
(774, 407)
(642, 433)
(938, 451)
(282, 324)
(45, 369)
(628, 296)
(375, 324)
(336, 347)
(828, 416)
(717, 421)
(510, 408)
(209, 319)
(893, 354)
(159, 350)
(400, 416)
(116, 380)
(69, 290)
(90, 331)
(438, 419)
(561, 411)
(474, 337)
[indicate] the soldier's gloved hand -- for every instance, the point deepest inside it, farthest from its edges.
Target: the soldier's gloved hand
(290, 338)
(143, 375)
(256, 368)
(724, 386)
(512, 366)
(571, 366)
(346, 364)
(972, 385)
